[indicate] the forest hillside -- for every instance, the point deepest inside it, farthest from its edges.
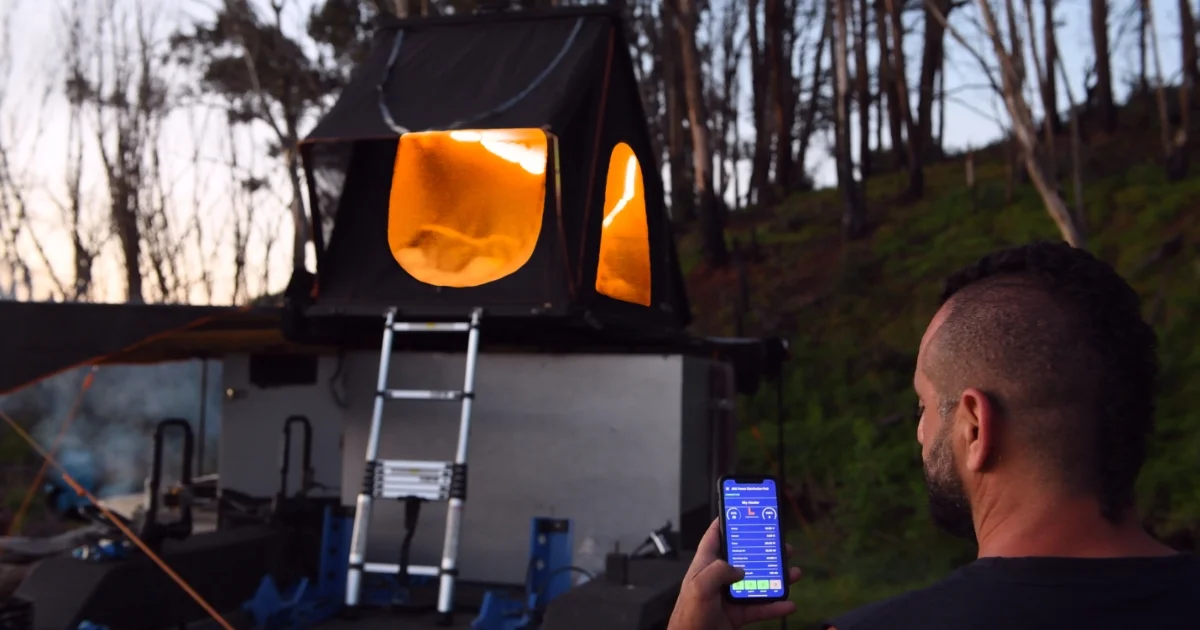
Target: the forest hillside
(855, 311)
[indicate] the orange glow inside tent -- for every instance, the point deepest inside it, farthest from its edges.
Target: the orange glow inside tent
(466, 206)
(624, 269)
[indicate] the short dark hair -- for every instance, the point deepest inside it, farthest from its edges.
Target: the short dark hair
(1061, 333)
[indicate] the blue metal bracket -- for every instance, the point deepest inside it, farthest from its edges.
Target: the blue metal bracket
(548, 576)
(103, 551)
(311, 601)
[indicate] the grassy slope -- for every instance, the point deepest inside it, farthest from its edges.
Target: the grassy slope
(855, 314)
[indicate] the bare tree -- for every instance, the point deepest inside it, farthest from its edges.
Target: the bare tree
(814, 104)
(1173, 144)
(122, 84)
(683, 206)
(887, 83)
(914, 159)
(712, 225)
(86, 239)
(1104, 79)
(862, 85)
(21, 223)
(1187, 40)
(932, 60)
(726, 94)
(777, 20)
(1044, 69)
(854, 220)
(1177, 166)
(273, 79)
(760, 164)
(1023, 125)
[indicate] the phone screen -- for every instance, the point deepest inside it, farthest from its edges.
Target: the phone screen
(752, 537)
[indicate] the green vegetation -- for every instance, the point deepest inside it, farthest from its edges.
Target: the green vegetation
(855, 313)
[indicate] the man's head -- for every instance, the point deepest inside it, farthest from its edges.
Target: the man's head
(1036, 375)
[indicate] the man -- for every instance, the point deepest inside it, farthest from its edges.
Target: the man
(1036, 381)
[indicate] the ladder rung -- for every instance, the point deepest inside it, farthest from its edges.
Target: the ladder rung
(423, 394)
(431, 327)
(394, 569)
(402, 479)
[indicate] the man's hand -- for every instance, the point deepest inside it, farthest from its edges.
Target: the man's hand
(701, 604)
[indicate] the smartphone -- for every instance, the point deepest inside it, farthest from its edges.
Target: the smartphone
(752, 537)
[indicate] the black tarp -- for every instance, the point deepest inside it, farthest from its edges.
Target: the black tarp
(44, 338)
(568, 71)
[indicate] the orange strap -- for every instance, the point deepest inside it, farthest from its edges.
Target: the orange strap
(14, 527)
(81, 491)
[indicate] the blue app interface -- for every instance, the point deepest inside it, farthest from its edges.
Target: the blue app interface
(752, 537)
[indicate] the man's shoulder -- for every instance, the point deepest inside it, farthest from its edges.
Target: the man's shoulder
(901, 611)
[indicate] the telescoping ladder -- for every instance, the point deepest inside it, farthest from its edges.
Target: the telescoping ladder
(415, 481)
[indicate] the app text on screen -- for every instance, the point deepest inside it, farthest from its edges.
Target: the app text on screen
(752, 538)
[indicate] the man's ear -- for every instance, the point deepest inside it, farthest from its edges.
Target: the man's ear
(977, 422)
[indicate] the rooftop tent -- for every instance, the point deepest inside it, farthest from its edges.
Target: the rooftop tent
(500, 161)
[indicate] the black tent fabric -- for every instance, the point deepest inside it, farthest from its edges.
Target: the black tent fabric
(567, 71)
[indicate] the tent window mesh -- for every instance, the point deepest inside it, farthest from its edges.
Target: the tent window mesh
(624, 269)
(466, 206)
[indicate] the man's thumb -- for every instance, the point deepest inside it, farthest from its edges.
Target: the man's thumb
(718, 575)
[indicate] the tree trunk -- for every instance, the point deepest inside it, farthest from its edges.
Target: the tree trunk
(1076, 149)
(760, 165)
(931, 62)
(1172, 143)
(1143, 63)
(940, 147)
(916, 172)
(683, 198)
(808, 122)
(300, 235)
(776, 18)
(711, 219)
(862, 81)
(887, 84)
(1178, 169)
(853, 213)
(1187, 28)
(1049, 82)
(1023, 126)
(1104, 79)
(1044, 71)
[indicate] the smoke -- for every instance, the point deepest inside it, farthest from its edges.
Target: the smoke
(110, 438)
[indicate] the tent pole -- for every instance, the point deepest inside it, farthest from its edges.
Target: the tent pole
(203, 421)
(780, 450)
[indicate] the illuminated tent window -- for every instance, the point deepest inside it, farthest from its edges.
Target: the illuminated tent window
(466, 206)
(624, 270)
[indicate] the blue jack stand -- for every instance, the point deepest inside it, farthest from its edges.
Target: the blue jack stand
(549, 575)
(308, 602)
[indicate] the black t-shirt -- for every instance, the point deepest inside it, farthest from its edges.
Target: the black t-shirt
(1047, 593)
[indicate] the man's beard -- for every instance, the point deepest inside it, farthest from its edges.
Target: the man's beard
(948, 502)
